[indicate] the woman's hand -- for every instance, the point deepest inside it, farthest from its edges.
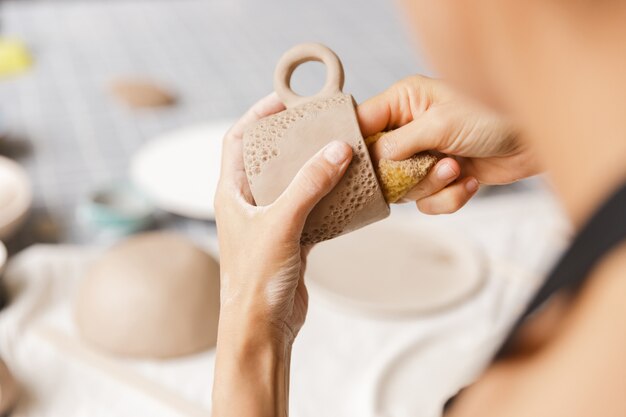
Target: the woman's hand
(263, 296)
(425, 115)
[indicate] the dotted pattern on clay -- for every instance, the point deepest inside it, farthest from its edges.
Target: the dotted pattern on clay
(266, 133)
(352, 194)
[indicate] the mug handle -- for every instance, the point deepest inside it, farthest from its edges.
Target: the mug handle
(298, 55)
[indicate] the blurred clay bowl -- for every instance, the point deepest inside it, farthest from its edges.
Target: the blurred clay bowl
(15, 197)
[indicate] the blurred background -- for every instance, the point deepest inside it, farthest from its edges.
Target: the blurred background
(111, 116)
(63, 122)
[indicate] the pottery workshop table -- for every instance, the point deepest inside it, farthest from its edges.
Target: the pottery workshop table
(344, 363)
(218, 56)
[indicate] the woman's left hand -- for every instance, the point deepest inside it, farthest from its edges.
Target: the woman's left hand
(263, 296)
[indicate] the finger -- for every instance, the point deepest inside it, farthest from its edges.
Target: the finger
(396, 106)
(232, 155)
(268, 105)
(314, 180)
(375, 114)
(502, 169)
(442, 174)
(432, 130)
(232, 167)
(450, 199)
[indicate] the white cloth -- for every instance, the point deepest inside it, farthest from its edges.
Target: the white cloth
(343, 364)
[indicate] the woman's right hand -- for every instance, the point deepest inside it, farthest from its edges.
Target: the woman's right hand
(426, 115)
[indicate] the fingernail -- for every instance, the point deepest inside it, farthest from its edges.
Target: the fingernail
(336, 152)
(445, 172)
(471, 186)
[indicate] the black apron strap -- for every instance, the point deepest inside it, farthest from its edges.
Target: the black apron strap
(601, 234)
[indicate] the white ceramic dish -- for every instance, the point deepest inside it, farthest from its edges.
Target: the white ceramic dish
(393, 268)
(447, 366)
(179, 170)
(15, 197)
(395, 392)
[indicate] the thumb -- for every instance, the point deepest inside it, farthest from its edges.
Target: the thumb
(314, 180)
(432, 130)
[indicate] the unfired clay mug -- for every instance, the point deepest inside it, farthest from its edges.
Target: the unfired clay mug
(276, 147)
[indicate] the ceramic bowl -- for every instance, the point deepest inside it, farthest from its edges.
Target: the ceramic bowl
(3, 257)
(153, 295)
(116, 210)
(15, 197)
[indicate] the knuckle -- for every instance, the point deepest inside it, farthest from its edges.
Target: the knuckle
(389, 145)
(453, 203)
(319, 176)
(441, 118)
(398, 85)
(424, 206)
(458, 200)
(441, 204)
(411, 82)
(221, 205)
(218, 200)
(234, 131)
(424, 188)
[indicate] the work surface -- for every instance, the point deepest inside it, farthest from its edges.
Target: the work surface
(345, 363)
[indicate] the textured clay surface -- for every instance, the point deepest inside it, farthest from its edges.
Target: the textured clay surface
(155, 295)
(398, 177)
(276, 147)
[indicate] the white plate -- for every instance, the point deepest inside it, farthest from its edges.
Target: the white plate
(418, 379)
(15, 197)
(396, 268)
(179, 170)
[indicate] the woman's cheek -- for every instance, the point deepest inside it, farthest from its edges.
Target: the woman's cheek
(434, 30)
(446, 32)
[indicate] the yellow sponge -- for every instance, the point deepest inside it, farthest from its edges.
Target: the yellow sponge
(398, 177)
